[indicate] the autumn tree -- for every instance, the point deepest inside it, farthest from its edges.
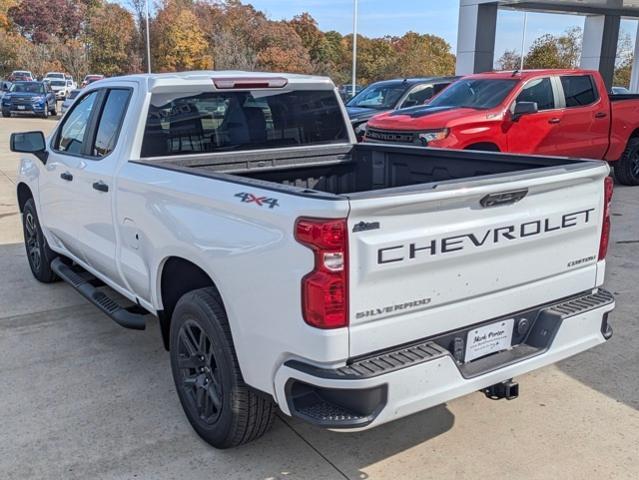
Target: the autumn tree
(41, 20)
(281, 49)
(179, 43)
(110, 35)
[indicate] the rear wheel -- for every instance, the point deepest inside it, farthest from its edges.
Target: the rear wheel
(6, 113)
(222, 409)
(38, 252)
(627, 167)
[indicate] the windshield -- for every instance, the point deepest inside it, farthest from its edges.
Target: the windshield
(379, 97)
(55, 75)
(479, 93)
(30, 87)
(58, 83)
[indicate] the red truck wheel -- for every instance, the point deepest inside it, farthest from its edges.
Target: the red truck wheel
(627, 167)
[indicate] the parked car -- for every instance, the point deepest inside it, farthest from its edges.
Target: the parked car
(346, 91)
(89, 79)
(5, 86)
(21, 76)
(69, 100)
(348, 284)
(71, 82)
(390, 95)
(29, 98)
(59, 87)
(54, 76)
(619, 91)
(551, 112)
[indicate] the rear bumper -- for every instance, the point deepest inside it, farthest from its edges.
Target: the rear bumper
(393, 384)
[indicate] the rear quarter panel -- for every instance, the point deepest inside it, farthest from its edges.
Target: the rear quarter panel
(625, 124)
(248, 250)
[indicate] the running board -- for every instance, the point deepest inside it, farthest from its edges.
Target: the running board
(86, 286)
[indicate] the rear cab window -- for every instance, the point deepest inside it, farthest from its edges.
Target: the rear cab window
(579, 90)
(220, 121)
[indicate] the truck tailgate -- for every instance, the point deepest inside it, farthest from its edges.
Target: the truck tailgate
(431, 261)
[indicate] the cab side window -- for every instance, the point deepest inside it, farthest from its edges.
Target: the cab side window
(110, 122)
(540, 92)
(579, 90)
(71, 136)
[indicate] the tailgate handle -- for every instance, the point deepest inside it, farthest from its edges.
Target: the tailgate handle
(503, 198)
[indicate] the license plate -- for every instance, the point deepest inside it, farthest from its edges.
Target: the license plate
(489, 339)
(21, 107)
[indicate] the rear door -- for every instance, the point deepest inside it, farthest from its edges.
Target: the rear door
(95, 184)
(427, 263)
(585, 119)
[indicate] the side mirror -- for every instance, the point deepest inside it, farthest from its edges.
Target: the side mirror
(524, 108)
(30, 142)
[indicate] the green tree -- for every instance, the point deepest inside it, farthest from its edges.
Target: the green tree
(550, 51)
(510, 60)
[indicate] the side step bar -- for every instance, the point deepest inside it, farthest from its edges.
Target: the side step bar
(86, 287)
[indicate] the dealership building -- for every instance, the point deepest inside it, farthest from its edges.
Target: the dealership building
(478, 22)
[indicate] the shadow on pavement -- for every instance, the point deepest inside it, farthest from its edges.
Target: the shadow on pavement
(613, 368)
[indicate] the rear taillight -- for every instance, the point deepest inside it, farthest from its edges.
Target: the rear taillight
(605, 229)
(325, 289)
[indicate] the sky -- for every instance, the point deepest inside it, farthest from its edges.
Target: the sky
(395, 17)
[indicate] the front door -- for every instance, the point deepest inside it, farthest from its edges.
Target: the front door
(534, 133)
(59, 201)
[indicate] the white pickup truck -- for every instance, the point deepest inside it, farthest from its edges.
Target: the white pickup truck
(348, 284)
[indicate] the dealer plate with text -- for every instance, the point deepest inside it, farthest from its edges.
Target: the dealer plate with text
(489, 339)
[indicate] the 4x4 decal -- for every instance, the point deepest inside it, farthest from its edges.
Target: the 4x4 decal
(260, 201)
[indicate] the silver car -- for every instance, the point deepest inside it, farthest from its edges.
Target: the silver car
(69, 100)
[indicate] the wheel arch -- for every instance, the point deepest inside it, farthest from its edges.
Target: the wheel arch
(24, 194)
(176, 277)
(483, 146)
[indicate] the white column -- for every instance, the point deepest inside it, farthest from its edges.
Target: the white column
(599, 48)
(476, 36)
(634, 75)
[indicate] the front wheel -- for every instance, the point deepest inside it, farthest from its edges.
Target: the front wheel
(221, 408)
(627, 167)
(39, 254)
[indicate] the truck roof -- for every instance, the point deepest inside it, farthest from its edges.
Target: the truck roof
(205, 77)
(525, 74)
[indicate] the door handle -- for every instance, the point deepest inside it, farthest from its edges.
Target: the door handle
(554, 120)
(101, 186)
(601, 115)
(66, 176)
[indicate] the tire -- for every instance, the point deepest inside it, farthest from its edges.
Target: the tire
(55, 107)
(39, 254)
(45, 114)
(221, 408)
(627, 167)
(6, 113)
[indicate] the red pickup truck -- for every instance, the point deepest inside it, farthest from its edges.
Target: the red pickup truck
(549, 112)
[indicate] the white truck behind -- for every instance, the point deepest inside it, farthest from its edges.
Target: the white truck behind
(347, 284)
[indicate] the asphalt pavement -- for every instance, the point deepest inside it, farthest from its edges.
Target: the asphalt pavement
(82, 398)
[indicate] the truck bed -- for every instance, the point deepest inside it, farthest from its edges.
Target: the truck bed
(351, 169)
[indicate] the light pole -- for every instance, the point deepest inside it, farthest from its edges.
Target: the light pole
(523, 40)
(354, 78)
(148, 41)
